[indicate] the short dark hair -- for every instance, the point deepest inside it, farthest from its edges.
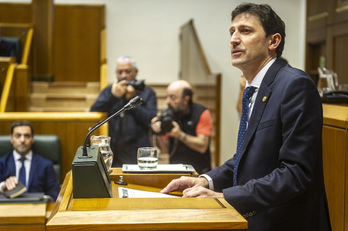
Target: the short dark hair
(269, 19)
(187, 91)
(22, 123)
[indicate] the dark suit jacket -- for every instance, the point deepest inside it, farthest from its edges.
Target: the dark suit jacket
(42, 177)
(280, 175)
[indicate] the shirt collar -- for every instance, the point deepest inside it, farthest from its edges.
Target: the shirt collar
(256, 82)
(17, 156)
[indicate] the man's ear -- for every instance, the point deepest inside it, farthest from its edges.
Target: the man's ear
(187, 99)
(274, 41)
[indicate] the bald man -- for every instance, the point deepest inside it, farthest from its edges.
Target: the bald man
(188, 141)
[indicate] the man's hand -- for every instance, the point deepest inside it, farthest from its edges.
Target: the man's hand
(130, 92)
(156, 125)
(185, 182)
(199, 191)
(119, 89)
(10, 183)
(176, 130)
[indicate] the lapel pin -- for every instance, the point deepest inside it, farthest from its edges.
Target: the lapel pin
(264, 98)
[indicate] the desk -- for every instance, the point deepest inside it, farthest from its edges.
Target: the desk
(335, 163)
(23, 217)
(141, 213)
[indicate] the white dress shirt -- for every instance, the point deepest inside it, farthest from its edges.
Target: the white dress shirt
(18, 163)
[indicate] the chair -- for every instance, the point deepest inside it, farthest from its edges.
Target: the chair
(17, 42)
(47, 146)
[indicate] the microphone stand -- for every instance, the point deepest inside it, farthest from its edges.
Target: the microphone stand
(134, 102)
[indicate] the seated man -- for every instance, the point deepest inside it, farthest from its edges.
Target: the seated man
(38, 174)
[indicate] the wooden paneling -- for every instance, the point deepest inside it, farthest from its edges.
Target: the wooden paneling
(159, 180)
(339, 37)
(15, 13)
(142, 213)
(327, 36)
(24, 217)
(317, 7)
(71, 128)
(335, 163)
(78, 31)
(42, 19)
(78, 43)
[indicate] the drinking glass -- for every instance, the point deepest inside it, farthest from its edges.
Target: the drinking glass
(147, 158)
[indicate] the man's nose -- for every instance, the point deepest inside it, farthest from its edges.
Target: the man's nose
(22, 138)
(235, 39)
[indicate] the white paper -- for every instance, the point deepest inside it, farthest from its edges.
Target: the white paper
(132, 193)
(159, 168)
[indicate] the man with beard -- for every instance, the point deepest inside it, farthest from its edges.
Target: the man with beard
(187, 142)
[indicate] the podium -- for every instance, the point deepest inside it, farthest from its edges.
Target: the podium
(23, 216)
(141, 213)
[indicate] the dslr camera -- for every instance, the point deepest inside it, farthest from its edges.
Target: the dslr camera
(137, 84)
(166, 119)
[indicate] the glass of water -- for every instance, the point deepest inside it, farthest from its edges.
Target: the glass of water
(147, 158)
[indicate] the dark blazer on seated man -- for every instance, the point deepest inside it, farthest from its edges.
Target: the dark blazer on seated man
(38, 174)
(42, 177)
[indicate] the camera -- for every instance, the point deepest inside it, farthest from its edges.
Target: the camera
(137, 84)
(166, 119)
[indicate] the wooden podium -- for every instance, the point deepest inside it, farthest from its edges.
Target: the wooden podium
(23, 216)
(335, 163)
(141, 213)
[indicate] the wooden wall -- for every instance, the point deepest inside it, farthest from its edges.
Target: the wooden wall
(78, 38)
(78, 42)
(335, 163)
(15, 12)
(327, 37)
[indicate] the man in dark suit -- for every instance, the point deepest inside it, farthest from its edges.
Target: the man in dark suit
(37, 175)
(275, 180)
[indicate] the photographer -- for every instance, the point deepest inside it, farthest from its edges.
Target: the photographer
(184, 129)
(129, 131)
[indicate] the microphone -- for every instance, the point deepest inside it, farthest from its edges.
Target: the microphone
(134, 102)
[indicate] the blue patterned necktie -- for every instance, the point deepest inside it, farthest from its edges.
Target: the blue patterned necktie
(22, 174)
(248, 92)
